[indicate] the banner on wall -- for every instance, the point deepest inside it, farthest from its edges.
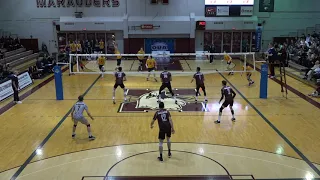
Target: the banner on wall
(6, 87)
(246, 11)
(258, 38)
(222, 10)
(159, 44)
(266, 5)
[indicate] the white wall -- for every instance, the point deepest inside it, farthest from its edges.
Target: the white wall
(23, 17)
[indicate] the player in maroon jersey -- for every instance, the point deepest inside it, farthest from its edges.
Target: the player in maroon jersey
(227, 93)
(199, 77)
(166, 79)
(165, 128)
(119, 78)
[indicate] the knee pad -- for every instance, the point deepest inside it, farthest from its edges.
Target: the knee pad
(160, 143)
(74, 125)
(221, 108)
(88, 125)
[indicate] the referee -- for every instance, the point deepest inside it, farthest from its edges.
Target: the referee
(272, 57)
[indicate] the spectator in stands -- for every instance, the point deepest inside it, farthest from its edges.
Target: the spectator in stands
(272, 57)
(15, 87)
(311, 71)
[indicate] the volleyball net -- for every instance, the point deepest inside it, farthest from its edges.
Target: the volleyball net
(176, 63)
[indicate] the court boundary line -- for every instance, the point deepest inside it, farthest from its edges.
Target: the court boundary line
(196, 143)
(115, 164)
(304, 158)
(34, 153)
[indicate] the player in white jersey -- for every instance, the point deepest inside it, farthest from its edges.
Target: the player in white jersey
(77, 116)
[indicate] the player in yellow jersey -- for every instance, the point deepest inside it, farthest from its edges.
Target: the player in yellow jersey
(73, 47)
(141, 58)
(151, 65)
(79, 48)
(248, 74)
(230, 65)
(101, 63)
(116, 51)
(101, 46)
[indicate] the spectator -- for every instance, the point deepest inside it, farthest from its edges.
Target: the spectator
(309, 73)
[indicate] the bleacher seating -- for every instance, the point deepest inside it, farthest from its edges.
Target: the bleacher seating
(9, 59)
(11, 53)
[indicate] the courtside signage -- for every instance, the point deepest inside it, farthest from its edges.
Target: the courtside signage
(6, 88)
(77, 3)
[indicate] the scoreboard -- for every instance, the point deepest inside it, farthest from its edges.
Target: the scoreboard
(232, 8)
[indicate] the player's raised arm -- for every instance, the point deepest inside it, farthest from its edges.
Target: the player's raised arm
(222, 95)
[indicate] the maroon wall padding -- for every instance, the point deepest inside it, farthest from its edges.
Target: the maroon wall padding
(126, 46)
(30, 44)
(182, 45)
(192, 45)
(135, 44)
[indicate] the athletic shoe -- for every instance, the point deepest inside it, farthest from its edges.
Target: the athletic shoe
(196, 101)
(233, 119)
(114, 102)
(147, 79)
(169, 154)
(160, 159)
(206, 100)
(155, 80)
(217, 122)
(19, 102)
(91, 138)
(73, 135)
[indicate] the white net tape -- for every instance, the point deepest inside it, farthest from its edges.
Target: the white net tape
(177, 63)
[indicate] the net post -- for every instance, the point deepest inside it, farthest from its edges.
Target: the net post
(254, 61)
(77, 59)
(70, 59)
(245, 63)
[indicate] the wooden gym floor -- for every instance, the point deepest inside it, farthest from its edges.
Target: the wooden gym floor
(274, 138)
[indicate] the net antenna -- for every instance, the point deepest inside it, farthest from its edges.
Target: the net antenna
(187, 61)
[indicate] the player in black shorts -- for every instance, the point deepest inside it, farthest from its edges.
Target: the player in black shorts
(229, 95)
(166, 79)
(119, 78)
(199, 77)
(165, 128)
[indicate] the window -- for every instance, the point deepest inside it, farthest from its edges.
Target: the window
(165, 1)
(154, 1)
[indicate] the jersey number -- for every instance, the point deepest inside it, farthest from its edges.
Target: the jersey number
(164, 117)
(119, 75)
(229, 92)
(78, 107)
(165, 76)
